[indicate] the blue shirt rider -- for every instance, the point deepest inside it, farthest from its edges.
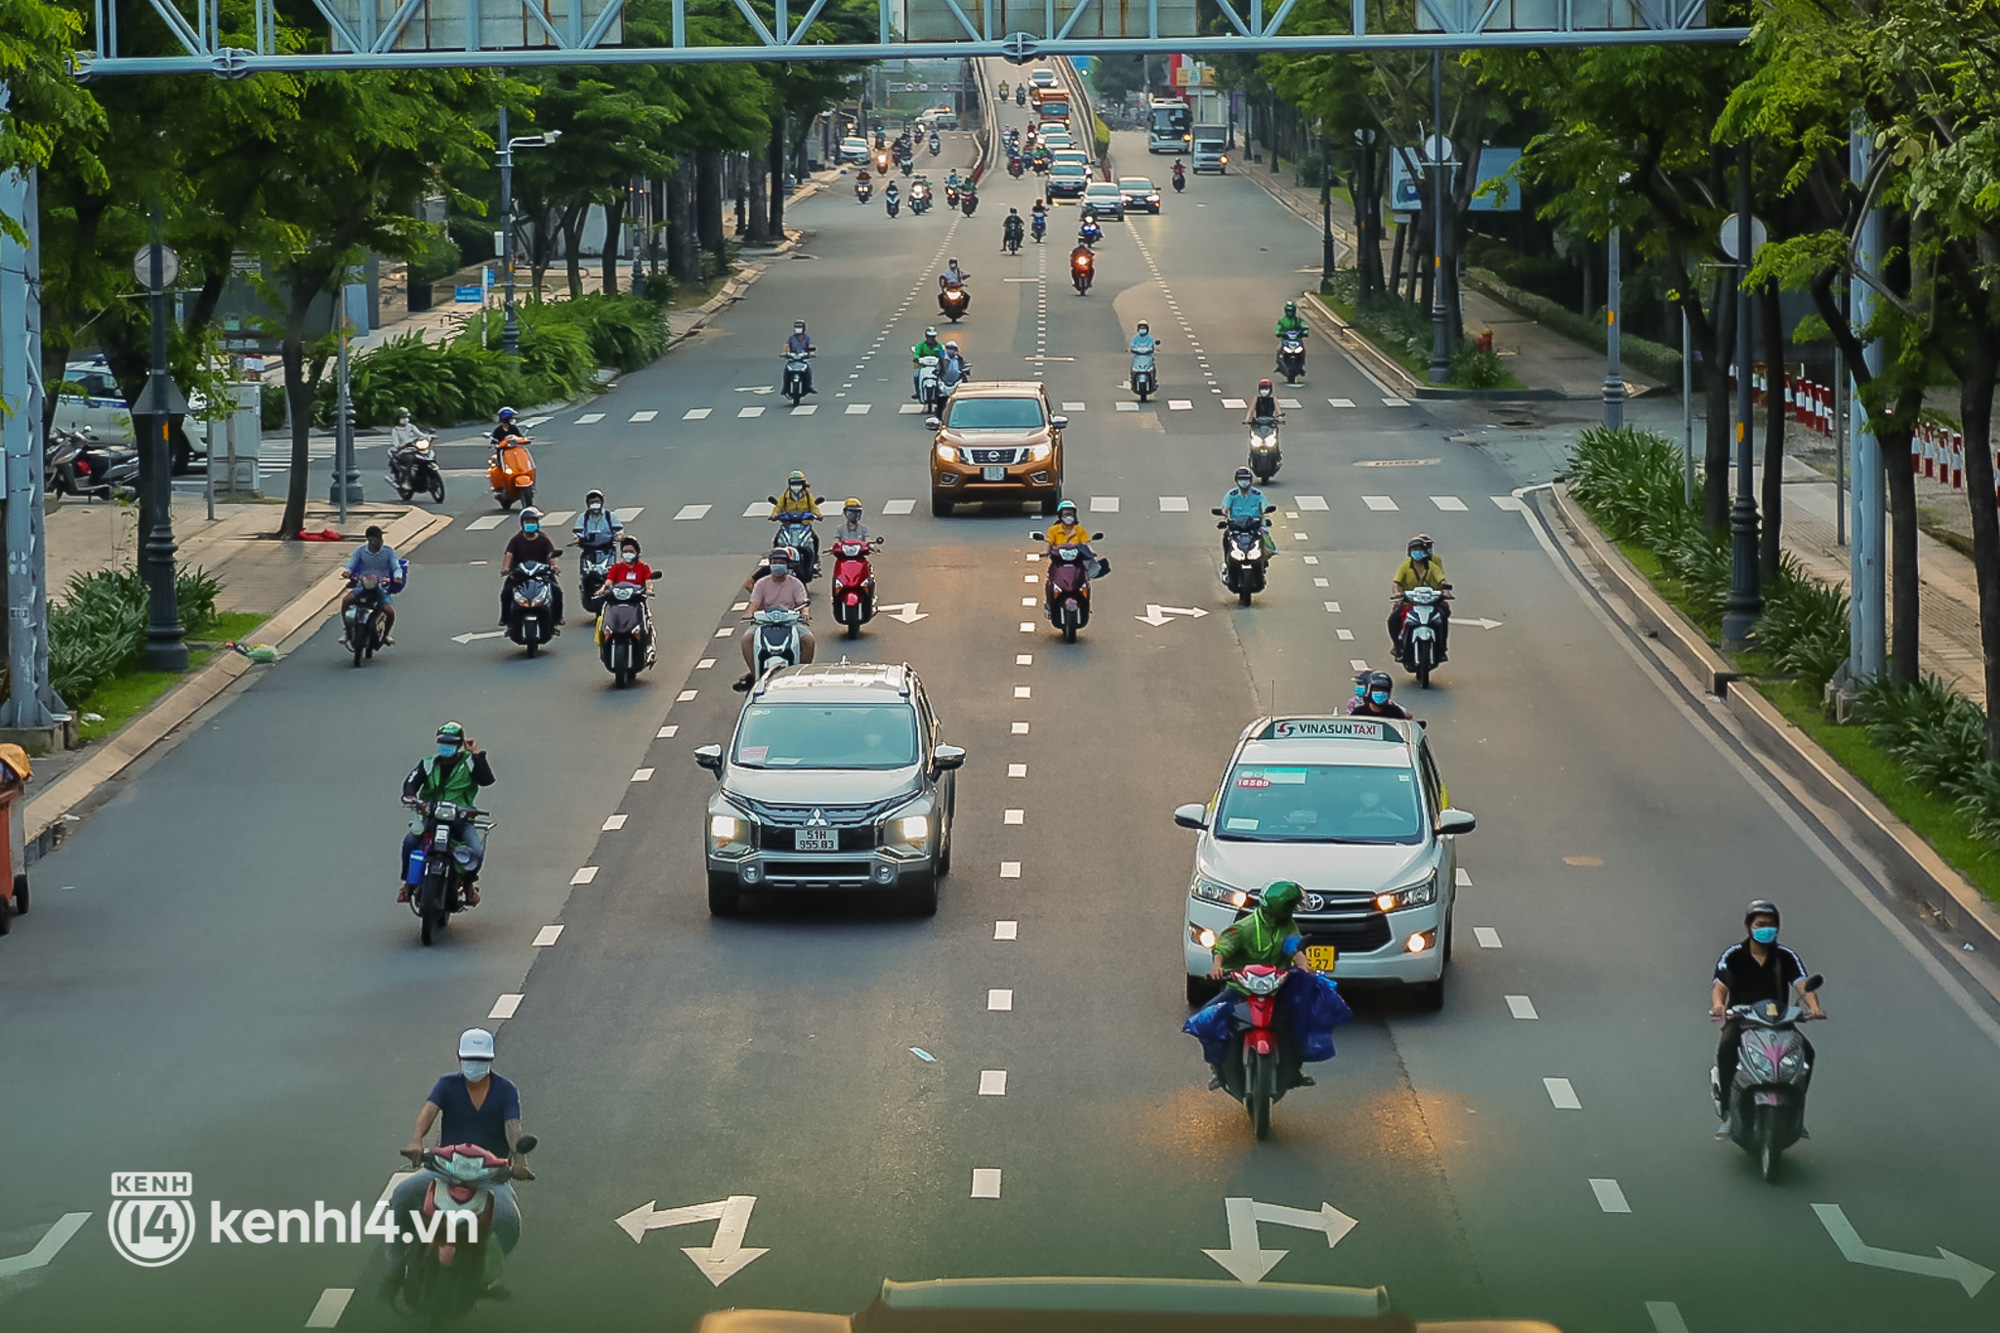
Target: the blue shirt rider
(374, 556)
(1143, 342)
(597, 528)
(1244, 502)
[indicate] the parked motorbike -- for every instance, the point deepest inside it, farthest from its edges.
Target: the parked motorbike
(74, 463)
(364, 621)
(1423, 616)
(511, 473)
(531, 621)
(1066, 590)
(595, 565)
(1265, 455)
(777, 641)
(1292, 357)
(795, 530)
(954, 301)
(1145, 377)
(440, 866)
(854, 583)
(1767, 1099)
(625, 634)
(1082, 268)
(798, 365)
(1244, 559)
(444, 1274)
(930, 386)
(414, 468)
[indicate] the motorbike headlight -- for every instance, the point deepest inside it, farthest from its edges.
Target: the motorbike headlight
(947, 453)
(1756, 1062)
(1215, 891)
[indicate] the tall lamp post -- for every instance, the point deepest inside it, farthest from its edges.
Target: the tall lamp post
(510, 328)
(1614, 368)
(159, 403)
(1328, 260)
(1366, 215)
(1746, 595)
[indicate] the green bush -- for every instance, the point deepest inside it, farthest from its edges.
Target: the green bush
(98, 627)
(1656, 359)
(1939, 737)
(437, 382)
(1476, 367)
(271, 403)
(437, 257)
(625, 332)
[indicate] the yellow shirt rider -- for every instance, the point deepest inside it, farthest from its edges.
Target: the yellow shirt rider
(797, 499)
(1421, 568)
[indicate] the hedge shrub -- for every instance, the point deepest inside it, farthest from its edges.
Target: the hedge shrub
(98, 627)
(1939, 737)
(1663, 363)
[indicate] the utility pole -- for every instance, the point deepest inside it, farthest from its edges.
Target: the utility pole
(1439, 149)
(1327, 258)
(510, 325)
(158, 405)
(1867, 624)
(1746, 597)
(1614, 372)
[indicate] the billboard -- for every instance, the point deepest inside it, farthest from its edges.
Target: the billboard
(994, 20)
(1406, 193)
(471, 25)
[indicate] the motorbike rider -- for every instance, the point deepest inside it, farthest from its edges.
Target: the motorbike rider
(1372, 698)
(597, 527)
(800, 344)
(797, 498)
(1012, 229)
(1244, 503)
(852, 529)
(1143, 341)
(1756, 970)
(477, 1107)
(954, 370)
(779, 590)
(952, 275)
(628, 567)
(1066, 531)
(373, 557)
(455, 773)
(529, 544)
(1265, 405)
(1180, 175)
(892, 196)
(930, 346)
(1090, 233)
(506, 424)
(1268, 935)
(1421, 568)
(1085, 254)
(1290, 323)
(403, 435)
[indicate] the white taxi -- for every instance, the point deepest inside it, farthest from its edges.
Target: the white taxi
(1351, 808)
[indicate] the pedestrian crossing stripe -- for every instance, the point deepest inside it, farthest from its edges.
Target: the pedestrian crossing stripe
(590, 418)
(1340, 402)
(1311, 502)
(919, 409)
(1173, 504)
(898, 506)
(485, 522)
(1451, 504)
(745, 413)
(649, 414)
(692, 414)
(1099, 504)
(805, 409)
(687, 513)
(858, 409)
(1380, 503)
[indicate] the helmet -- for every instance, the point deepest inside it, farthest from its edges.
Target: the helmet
(798, 326)
(1144, 326)
(506, 414)
(788, 555)
(1263, 386)
(531, 515)
(1066, 507)
(475, 1044)
(1281, 897)
(952, 263)
(402, 414)
(1760, 907)
(1291, 307)
(1244, 474)
(796, 479)
(1422, 541)
(1379, 680)
(452, 732)
(951, 345)
(852, 502)
(931, 332)
(588, 496)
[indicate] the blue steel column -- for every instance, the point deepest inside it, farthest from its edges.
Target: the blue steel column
(1867, 624)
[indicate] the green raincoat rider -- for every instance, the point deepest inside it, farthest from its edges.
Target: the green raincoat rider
(1261, 937)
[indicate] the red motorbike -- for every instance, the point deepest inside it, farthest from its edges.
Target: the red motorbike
(452, 1257)
(1066, 593)
(1255, 991)
(853, 583)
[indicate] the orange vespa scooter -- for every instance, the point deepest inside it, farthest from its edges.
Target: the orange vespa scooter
(511, 472)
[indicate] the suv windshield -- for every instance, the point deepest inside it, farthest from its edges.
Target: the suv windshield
(805, 735)
(1320, 803)
(995, 414)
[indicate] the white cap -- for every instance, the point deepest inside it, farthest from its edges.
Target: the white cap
(475, 1044)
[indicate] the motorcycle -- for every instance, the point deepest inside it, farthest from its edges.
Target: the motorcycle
(1292, 357)
(920, 199)
(951, 197)
(1020, 97)
(881, 157)
(440, 865)
(625, 634)
(1066, 590)
(894, 204)
(364, 621)
(456, 1261)
(935, 146)
(1010, 240)
(777, 641)
(795, 530)
(1145, 378)
(969, 203)
(1180, 178)
(414, 467)
(853, 583)
(78, 465)
(1081, 271)
(930, 386)
(907, 164)
(1244, 559)
(954, 371)
(532, 619)
(596, 564)
(863, 191)
(1423, 615)
(510, 473)
(1264, 452)
(1767, 1099)
(1038, 227)
(1090, 233)
(1014, 167)
(954, 301)
(797, 366)
(59, 464)
(1250, 1075)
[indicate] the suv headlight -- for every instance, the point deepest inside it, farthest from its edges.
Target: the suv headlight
(1038, 452)
(947, 453)
(1421, 894)
(909, 829)
(1215, 891)
(730, 831)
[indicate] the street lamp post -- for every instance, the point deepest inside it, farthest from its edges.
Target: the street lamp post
(1327, 257)
(158, 405)
(1614, 372)
(1366, 215)
(510, 328)
(1438, 148)
(1746, 597)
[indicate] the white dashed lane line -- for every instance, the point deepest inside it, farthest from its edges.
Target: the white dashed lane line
(505, 1007)
(1006, 930)
(1610, 1198)
(583, 875)
(612, 823)
(546, 936)
(331, 1305)
(1520, 1006)
(1488, 937)
(999, 1001)
(986, 1182)
(993, 1083)
(1561, 1095)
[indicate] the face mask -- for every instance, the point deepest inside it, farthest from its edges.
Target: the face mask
(798, 488)
(1420, 556)
(531, 528)
(780, 571)
(1765, 934)
(630, 557)
(474, 1070)
(1379, 697)
(596, 506)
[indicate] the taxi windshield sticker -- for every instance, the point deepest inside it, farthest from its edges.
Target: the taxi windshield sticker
(1242, 825)
(1329, 728)
(1253, 781)
(1285, 777)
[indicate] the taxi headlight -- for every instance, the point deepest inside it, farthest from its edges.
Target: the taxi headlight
(1421, 894)
(947, 453)
(1216, 892)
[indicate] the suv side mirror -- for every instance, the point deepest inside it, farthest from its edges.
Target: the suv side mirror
(710, 758)
(933, 423)
(1059, 423)
(947, 757)
(1191, 816)
(1456, 821)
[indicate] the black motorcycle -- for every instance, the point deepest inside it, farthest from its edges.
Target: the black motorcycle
(439, 866)
(531, 607)
(596, 564)
(364, 621)
(414, 468)
(624, 634)
(1244, 559)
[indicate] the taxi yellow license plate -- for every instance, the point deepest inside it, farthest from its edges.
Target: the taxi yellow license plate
(1319, 957)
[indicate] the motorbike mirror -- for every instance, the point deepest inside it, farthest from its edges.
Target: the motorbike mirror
(1191, 816)
(1215, 511)
(1097, 536)
(1812, 983)
(946, 757)
(1456, 821)
(771, 499)
(525, 1144)
(709, 757)
(1270, 509)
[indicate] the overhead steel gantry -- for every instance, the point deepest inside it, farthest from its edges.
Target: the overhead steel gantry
(458, 34)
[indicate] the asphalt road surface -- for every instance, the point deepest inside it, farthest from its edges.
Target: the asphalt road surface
(216, 980)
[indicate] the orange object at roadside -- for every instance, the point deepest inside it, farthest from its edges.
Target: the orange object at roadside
(511, 474)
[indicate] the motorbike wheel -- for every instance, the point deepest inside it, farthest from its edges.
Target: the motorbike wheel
(534, 645)
(854, 628)
(437, 489)
(403, 493)
(432, 923)
(1069, 633)
(1423, 677)
(1242, 594)
(527, 496)
(1260, 1083)
(1767, 1143)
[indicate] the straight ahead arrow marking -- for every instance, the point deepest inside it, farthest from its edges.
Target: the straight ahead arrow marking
(1246, 1262)
(906, 612)
(1959, 1269)
(486, 634)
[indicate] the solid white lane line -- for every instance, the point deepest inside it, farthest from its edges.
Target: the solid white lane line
(985, 1182)
(1017, 770)
(1488, 937)
(546, 936)
(583, 875)
(482, 523)
(590, 418)
(1010, 870)
(1463, 879)
(331, 1305)
(1006, 930)
(1666, 1317)
(999, 1001)
(1521, 1007)
(1561, 1094)
(642, 775)
(505, 1006)
(993, 1083)
(898, 506)
(1103, 504)
(858, 409)
(612, 823)
(692, 414)
(1020, 729)
(743, 413)
(649, 414)
(666, 733)
(1380, 503)
(689, 513)
(1450, 504)
(1014, 817)
(1173, 504)
(1609, 1197)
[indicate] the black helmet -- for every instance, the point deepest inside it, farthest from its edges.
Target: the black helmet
(1380, 680)
(1760, 907)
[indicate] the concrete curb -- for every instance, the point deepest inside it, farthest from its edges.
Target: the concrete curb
(1407, 385)
(156, 726)
(1913, 865)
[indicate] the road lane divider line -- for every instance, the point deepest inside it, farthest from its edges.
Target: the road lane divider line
(506, 1006)
(993, 1083)
(704, 664)
(1010, 870)
(1017, 770)
(1520, 1006)
(583, 875)
(1024, 659)
(546, 936)
(1488, 937)
(1561, 1095)
(1358, 663)
(666, 733)
(1024, 691)
(685, 696)
(1463, 878)
(645, 774)
(1020, 728)
(999, 1001)
(1666, 1317)
(1610, 1198)
(1014, 817)
(331, 1305)
(1006, 930)
(612, 823)
(985, 1182)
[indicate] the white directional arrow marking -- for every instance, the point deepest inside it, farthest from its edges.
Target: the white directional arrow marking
(719, 1262)
(1482, 623)
(1956, 1267)
(487, 634)
(46, 1248)
(906, 612)
(756, 388)
(1246, 1261)
(1157, 615)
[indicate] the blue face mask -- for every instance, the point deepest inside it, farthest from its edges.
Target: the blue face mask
(1420, 554)
(1765, 934)
(1379, 697)
(446, 751)
(531, 528)
(1361, 691)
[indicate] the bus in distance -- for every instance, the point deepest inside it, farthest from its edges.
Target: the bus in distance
(1168, 125)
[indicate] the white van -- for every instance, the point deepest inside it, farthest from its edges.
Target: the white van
(1209, 143)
